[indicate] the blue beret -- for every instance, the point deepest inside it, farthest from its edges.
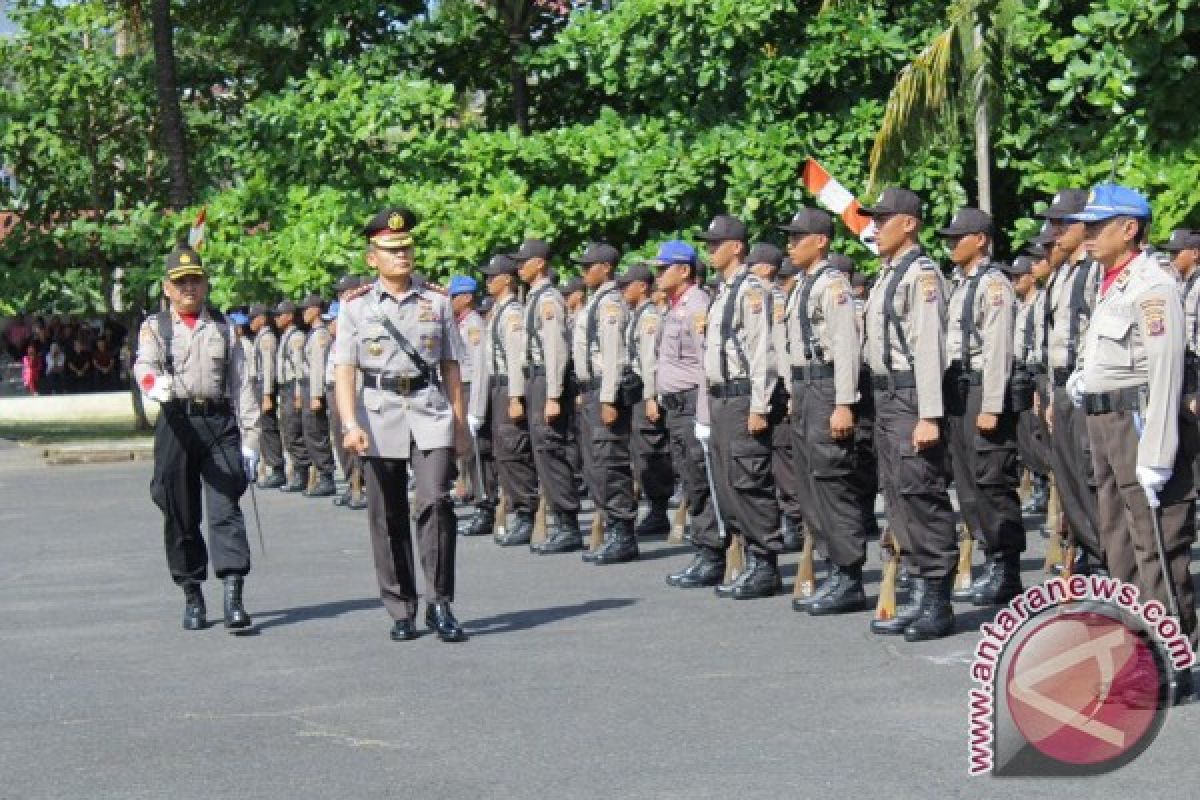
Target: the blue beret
(462, 284)
(1110, 200)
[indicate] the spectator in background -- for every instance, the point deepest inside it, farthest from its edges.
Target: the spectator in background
(104, 368)
(16, 336)
(31, 368)
(56, 366)
(79, 366)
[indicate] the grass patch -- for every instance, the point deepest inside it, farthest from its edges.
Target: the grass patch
(81, 431)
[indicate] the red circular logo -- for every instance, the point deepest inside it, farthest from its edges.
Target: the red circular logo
(1084, 689)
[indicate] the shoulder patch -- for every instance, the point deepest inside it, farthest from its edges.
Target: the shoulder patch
(297, 342)
(475, 335)
(1154, 315)
(927, 284)
(754, 299)
(995, 293)
(779, 311)
(842, 296)
(548, 310)
(699, 321)
(650, 324)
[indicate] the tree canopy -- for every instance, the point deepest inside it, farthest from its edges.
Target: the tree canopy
(644, 118)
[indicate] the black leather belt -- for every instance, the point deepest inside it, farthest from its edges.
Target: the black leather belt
(1129, 399)
(676, 401)
(812, 372)
(894, 380)
(400, 384)
(1036, 369)
(499, 380)
(533, 372)
(200, 408)
(742, 387)
(591, 385)
(1060, 375)
(956, 372)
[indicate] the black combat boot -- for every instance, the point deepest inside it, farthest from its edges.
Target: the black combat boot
(343, 499)
(193, 608)
(1004, 583)
(519, 533)
(905, 614)
(793, 540)
(274, 479)
(440, 619)
(324, 487)
(236, 618)
(482, 523)
(564, 535)
(620, 544)
(707, 569)
(761, 580)
(655, 523)
(842, 593)
(936, 617)
(726, 589)
(967, 595)
(299, 483)
(1039, 498)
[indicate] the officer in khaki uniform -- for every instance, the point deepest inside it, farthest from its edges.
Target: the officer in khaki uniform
(503, 379)
(575, 296)
(1070, 297)
(1184, 247)
(651, 441)
(353, 498)
(1130, 385)
(315, 418)
(601, 360)
(904, 334)
(981, 421)
(1032, 444)
(548, 400)
(480, 472)
(289, 376)
(825, 367)
(400, 337)
(765, 261)
(206, 437)
(739, 362)
(265, 346)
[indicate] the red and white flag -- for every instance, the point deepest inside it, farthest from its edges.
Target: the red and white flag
(838, 199)
(196, 234)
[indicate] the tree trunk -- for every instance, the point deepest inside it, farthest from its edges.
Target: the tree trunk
(983, 139)
(171, 126)
(520, 84)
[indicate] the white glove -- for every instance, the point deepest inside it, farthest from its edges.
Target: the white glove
(1153, 479)
(703, 432)
(160, 390)
(250, 463)
(474, 423)
(1076, 389)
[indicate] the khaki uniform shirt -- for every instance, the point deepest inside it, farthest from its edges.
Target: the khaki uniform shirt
(470, 330)
(264, 355)
(397, 422)
(290, 361)
(316, 353)
(989, 348)
(502, 356)
(641, 344)
(750, 337)
(828, 306)
(1058, 294)
(605, 355)
(204, 369)
(681, 349)
(919, 304)
(1191, 310)
(1026, 341)
(546, 335)
(1136, 338)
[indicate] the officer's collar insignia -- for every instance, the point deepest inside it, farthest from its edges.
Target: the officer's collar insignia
(396, 222)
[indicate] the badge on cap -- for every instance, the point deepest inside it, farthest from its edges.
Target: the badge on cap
(184, 258)
(396, 222)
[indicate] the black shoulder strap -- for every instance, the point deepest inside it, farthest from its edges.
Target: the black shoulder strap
(631, 338)
(166, 332)
(727, 326)
(1187, 290)
(1027, 338)
(813, 352)
(1077, 305)
(967, 327)
(532, 335)
(593, 327)
(424, 367)
(891, 319)
(497, 349)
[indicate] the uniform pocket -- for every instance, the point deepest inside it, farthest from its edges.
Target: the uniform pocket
(829, 458)
(373, 399)
(1112, 330)
(921, 472)
(751, 462)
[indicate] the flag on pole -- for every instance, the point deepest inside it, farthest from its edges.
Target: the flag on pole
(837, 198)
(196, 234)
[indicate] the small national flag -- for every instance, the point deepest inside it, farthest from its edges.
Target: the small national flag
(838, 199)
(196, 234)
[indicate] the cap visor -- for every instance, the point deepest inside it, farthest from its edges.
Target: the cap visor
(392, 241)
(705, 236)
(183, 272)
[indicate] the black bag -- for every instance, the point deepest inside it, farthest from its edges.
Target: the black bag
(1020, 389)
(629, 388)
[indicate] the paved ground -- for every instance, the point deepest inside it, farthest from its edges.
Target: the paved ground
(579, 682)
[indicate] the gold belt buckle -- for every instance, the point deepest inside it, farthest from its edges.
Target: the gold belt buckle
(404, 384)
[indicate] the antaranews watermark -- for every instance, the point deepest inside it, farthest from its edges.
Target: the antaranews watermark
(1073, 678)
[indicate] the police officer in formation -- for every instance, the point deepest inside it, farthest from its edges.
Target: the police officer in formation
(289, 385)
(315, 417)
(265, 348)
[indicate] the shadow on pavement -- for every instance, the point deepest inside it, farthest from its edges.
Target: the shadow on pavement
(534, 617)
(289, 616)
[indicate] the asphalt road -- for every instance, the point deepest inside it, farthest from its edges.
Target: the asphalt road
(578, 682)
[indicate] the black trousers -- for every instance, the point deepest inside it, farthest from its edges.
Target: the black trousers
(315, 425)
(549, 442)
(391, 527)
(783, 462)
(191, 452)
(919, 511)
(513, 454)
(986, 470)
(486, 485)
(611, 467)
(269, 440)
(291, 429)
(1032, 446)
(651, 445)
(1074, 472)
(840, 510)
(688, 458)
(346, 459)
(743, 476)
